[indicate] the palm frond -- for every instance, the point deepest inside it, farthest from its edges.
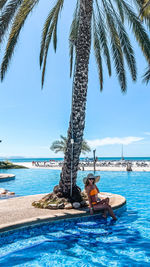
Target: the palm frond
(125, 44)
(2, 3)
(45, 31)
(145, 11)
(103, 39)
(48, 40)
(97, 50)
(138, 30)
(7, 16)
(55, 37)
(57, 146)
(147, 75)
(120, 9)
(116, 47)
(85, 147)
(60, 145)
(138, 4)
(25, 8)
(63, 138)
(51, 31)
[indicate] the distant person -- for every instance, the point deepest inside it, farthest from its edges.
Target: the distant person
(96, 204)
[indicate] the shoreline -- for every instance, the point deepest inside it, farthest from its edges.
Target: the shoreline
(90, 168)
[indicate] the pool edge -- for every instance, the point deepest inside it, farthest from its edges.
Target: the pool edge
(45, 219)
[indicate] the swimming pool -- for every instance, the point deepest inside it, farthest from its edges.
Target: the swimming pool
(83, 242)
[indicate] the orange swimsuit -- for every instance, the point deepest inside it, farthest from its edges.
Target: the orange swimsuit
(94, 193)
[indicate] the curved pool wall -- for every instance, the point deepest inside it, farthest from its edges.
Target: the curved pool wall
(36, 228)
(90, 241)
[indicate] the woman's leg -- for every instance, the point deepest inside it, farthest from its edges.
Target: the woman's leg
(106, 208)
(105, 201)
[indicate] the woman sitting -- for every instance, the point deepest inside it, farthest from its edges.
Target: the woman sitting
(96, 204)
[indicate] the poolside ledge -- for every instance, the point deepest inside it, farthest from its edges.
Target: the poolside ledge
(6, 177)
(18, 212)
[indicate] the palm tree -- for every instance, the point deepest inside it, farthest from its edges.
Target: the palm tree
(104, 20)
(61, 145)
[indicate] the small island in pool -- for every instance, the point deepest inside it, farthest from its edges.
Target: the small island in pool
(10, 165)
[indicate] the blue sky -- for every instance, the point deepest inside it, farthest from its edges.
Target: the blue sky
(31, 118)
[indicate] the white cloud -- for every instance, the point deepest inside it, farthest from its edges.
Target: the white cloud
(114, 141)
(147, 133)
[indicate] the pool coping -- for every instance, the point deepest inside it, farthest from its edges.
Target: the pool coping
(6, 177)
(11, 221)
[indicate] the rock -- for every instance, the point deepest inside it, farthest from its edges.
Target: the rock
(61, 206)
(52, 206)
(83, 203)
(3, 191)
(84, 195)
(35, 203)
(59, 194)
(76, 205)
(68, 206)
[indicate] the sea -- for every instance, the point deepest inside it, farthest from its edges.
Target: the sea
(82, 159)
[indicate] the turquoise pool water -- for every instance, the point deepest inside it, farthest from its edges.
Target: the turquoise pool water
(92, 241)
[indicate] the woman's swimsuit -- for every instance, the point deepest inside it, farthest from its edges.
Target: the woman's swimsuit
(93, 194)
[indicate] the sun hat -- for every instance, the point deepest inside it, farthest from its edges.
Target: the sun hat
(91, 176)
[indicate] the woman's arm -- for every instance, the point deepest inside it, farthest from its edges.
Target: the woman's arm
(97, 188)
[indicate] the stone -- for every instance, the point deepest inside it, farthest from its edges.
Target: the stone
(35, 203)
(52, 206)
(76, 205)
(68, 206)
(3, 191)
(61, 206)
(83, 203)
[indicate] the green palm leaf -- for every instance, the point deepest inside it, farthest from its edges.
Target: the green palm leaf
(147, 75)
(116, 47)
(60, 145)
(44, 33)
(120, 9)
(24, 10)
(145, 9)
(125, 44)
(138, 30)
(103, 39)
(2, 3)
(7, 16)
(51, 31)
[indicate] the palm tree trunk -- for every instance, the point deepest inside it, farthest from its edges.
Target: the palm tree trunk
(77, 119)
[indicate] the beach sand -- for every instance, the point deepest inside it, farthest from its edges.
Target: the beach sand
(98, 168)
